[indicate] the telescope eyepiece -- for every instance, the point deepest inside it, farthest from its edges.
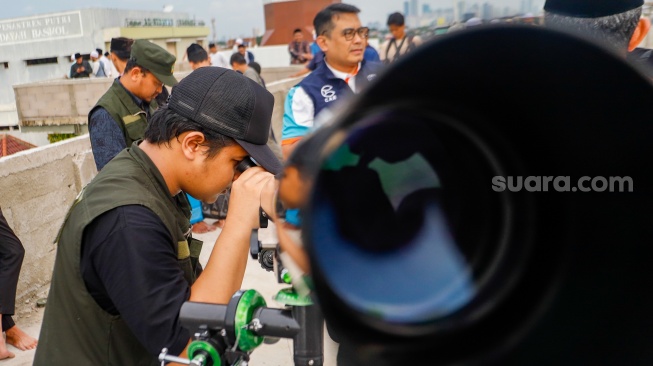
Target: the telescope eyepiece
(246, 163)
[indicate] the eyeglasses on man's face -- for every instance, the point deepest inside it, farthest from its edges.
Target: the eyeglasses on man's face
(155, 81)
(348, 33)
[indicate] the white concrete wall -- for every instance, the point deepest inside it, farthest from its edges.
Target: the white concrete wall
(271, 56)
(61, 104)
(38, 186)
(280, 89)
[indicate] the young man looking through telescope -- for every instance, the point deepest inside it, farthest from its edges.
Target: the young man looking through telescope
(125, 259)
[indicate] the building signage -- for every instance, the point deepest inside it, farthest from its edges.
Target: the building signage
(161, 22)
(41, 28)
(149, 22)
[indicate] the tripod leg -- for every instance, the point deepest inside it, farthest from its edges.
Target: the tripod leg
(308, 344)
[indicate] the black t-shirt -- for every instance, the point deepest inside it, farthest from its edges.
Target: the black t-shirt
(129, 265)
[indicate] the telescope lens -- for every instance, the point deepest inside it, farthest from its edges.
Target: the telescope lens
(390, 219)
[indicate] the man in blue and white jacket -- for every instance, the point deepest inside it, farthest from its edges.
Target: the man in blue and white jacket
(344, 72)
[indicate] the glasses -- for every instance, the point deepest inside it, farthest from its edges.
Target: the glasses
(156, 81)
(363, 32)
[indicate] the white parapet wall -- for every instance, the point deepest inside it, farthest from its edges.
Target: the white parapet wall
(58, 102)
(39, 185)
(280, 89)
(62, 106)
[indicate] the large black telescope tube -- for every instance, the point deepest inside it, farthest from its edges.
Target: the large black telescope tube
(417, 255)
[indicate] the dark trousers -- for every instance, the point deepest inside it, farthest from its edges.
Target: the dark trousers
(11, 258)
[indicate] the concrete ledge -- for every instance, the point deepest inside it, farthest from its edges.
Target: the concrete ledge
(53, 121)
(38, 186)
(65, 102)
(280, 89)
(274, 74)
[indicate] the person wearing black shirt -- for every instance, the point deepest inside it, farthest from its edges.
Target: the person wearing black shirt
(126, 261)
(81, 68)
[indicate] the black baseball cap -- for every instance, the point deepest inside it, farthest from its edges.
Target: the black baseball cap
(591, 8)
(229, 103)
(158, 61)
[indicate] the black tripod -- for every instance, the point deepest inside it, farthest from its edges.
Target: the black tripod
(308, 343)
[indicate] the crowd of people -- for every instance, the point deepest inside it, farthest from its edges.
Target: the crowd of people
(126, 258)
(98, 64)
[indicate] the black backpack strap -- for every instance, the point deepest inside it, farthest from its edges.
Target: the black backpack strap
(387, 50)
(411, 45)
(398, 49)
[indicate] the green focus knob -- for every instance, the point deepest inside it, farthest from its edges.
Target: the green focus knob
(285, 276)
(209, 353)
(288, 296)
(249, 302)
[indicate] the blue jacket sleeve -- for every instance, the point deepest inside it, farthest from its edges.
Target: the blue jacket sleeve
(107, 139)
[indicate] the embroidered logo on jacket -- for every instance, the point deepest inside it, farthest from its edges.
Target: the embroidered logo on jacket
(328, 93)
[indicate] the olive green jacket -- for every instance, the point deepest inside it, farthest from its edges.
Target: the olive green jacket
(75, 329)
(131, 119)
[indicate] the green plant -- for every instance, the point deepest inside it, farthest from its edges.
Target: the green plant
(56, 137)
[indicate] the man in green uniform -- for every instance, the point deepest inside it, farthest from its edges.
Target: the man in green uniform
(120, 116)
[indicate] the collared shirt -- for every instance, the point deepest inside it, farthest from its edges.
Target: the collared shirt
(108, 67)
(219, 60)
(106, 136)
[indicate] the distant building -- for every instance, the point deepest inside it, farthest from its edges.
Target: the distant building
(284, 16)
(488, 11)
(474, 9)
(468, 16)
(414, 11)
(38, 48)
(406, 8)
(459, 10)
(11, 145)
(376, 25)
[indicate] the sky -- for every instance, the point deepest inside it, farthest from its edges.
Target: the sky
(233, 18)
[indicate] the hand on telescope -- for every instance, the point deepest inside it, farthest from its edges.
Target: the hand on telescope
(224, 271)
(254, 188)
